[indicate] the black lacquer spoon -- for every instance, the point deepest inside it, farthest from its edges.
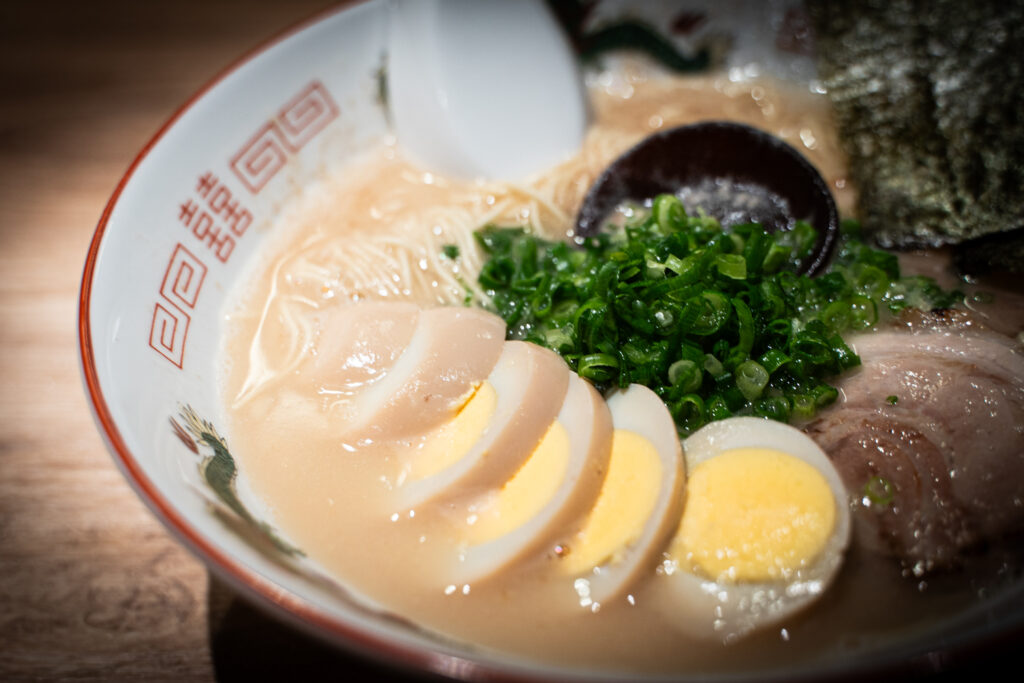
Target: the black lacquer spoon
(734, 172)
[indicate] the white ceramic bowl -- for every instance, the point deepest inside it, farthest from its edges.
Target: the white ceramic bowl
(174, 238)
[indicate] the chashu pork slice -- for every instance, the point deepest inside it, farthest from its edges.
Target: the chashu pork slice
(928, 436)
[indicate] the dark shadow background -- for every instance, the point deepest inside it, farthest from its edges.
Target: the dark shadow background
(248, 645)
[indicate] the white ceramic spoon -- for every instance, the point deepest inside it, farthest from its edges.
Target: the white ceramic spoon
(483, 88)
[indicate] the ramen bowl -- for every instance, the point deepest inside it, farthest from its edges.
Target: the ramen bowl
(180, 232)
(176, 234)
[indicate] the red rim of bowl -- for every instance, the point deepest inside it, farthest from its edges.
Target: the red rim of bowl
(264, 592)
(270, 596)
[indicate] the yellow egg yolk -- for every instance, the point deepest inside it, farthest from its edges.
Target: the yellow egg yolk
(452, 440)
(526, 493)
(753, 514)
(626, 500)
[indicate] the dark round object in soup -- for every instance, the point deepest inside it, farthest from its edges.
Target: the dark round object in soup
(734, 172)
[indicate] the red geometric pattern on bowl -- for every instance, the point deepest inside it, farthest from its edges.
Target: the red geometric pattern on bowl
(183, 278)
(306, 115)
(214, 216)
(180, 288)
(295, 124)
(168, 332)
(217, 219)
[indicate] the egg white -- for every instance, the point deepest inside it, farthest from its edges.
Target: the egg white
(353, 347)
(728, 610)
(530, 383)
(637, 409)
(586, 421)
(451, 351)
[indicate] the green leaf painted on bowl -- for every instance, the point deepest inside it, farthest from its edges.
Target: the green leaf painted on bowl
(220, 472)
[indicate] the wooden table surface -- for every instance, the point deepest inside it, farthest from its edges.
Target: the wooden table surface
(91, 586)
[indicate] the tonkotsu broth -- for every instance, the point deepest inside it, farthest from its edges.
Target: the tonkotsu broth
(375, 231)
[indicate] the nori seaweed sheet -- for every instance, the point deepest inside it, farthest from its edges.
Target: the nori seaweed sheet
(929, 98)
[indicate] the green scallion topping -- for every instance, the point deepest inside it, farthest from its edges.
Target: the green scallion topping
(717, 323)
(879, 491)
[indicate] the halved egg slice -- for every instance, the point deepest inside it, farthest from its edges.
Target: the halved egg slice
(335, 351)
(762, 533)
(559, 482)
(494, 432)
(639, 502)
(451, 352)
(355, 346)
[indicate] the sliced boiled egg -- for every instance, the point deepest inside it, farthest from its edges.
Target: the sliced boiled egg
(335, 351)
(762, 533)
(494, 431)
(357, 345)
(557, 484)
(451, 351)
(638, 505)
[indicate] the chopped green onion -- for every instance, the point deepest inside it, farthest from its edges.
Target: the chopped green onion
(751, 378)
(775, 258)
(669, 213)
(773, 407)
(803, 405)
(597, 367)
(745, 321)
(717, 322)
(714, 311)
(879, 491)
(689, 411)
(713, 366)
(802, 238)
(717, 408)
(686, 375)
(732, 266)
(773, 359)
(863, 312)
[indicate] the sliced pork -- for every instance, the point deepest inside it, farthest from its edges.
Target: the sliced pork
(928, 436)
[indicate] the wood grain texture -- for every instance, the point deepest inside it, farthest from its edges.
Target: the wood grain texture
(91, 585)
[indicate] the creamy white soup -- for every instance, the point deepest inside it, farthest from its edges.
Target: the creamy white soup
(375, 231)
